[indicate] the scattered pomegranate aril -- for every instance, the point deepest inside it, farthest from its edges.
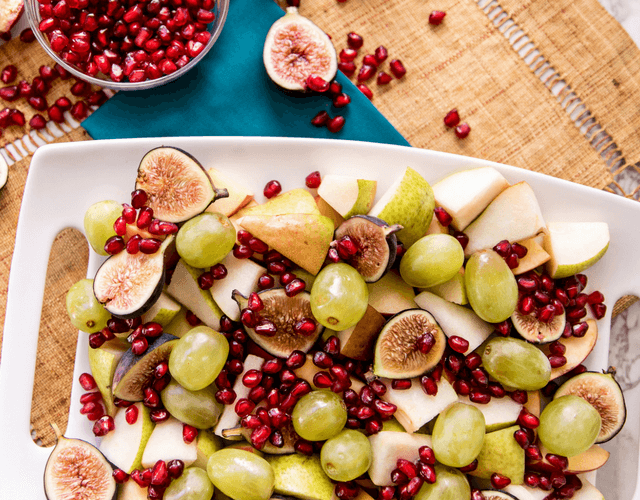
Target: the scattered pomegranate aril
(347, 67)
(458, 344)
(317, 84)
(271, 189)
(397, 68)
(462, 130)
(599, 310)
(341, 100)
(469, 468)
(87, 382)
(120, 476)
(479, 397)
(354, 40)
(499, 481)
(533, 452)
(519, 396)
(381, 54)
(429, 385)
(131, 415)
(10, 94)
(452, 118)
(9, 73)
(531, 479)
(346, 491)
(366, 72)
(335, 124)
(225, 396)
(462, 238)
(348, 55)
(103, 426)
(436, 17)
(557, 361)
(27, 36)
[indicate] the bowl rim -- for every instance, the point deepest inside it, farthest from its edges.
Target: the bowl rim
(33, 16)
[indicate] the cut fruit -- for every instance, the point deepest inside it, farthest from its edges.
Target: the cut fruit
(358, 341)
(163, 311)
(103, 362)
(534, 330)
(185, 289)
(134, 373)
(375, 242)
(524, 492)
(602, 392)
(397, 354)
(179, 325)
(207, 443)
(284, 312)
(577, 349)
(239, 195)
(302, 238)
(289, 436)
(456, 320)
(296, 201)
(588, 492)
(301, 477)
(464, 195)
(10, 12)
(497, 495)
(436, 228)
(501, 453)
(388, 447)
(534, 403)
(328, 211)
(536, 255)
(125, 445)
(453, 290)
(513, 215)
(498, 413)
(166, 443)
(592, 459)
(415, 406)
(309, 370)
(575, 246)
(296, 49)
(177, 184)
(130, 490)
(391, 295)
(348, 196)
(242, 275)
(229, 418)
(408, 202)
(129, 284)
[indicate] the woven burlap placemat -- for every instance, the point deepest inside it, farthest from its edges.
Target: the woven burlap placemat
(546, 85)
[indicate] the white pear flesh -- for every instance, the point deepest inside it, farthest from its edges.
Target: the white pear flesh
(464, 195)
(163, 311)
(588, 491)
(498, 413)
(575, 246)
(390, 294)
(242, 275)
(388, 447)
(166, 443)
(453, 290)
(456, 320)
(415, 406)
(536, 255)
(524, 492)
(513, 215)
(239, 194)
(348, 195)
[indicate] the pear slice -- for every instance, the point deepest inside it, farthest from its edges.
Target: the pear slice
(456, 320)
(524, 492)
(388, 447)
(207, 443)
(166, 443)
(328, 211)
(578, 348)
(436, 228)
(103, 362)
(296, 201)
(301, 477)
(302, 238)
(592, 459)
(179, 325)
(348, 195)
(575, 246)
(588, 491)
(536, 255)
(391, 295)
(501, 453)
(125, 445)
(163, 311)
(513, 215)
(409, 202)
(130, 490)
(416, 407)
(464, 195)
(453, 290)
(239, 194)
(185, 289)
(498, 413)
(358, 341)
(534, 403)
(242, 275)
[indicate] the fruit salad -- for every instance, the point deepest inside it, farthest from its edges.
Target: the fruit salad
(322, 345)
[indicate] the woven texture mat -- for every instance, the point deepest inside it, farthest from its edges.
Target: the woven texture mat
(546, 85)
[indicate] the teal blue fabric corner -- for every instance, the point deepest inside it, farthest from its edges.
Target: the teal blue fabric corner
(229, 94)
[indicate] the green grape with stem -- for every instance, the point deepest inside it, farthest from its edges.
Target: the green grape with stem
(347, 456)
(85, 312)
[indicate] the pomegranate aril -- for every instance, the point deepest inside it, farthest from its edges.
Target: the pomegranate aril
(87, 382)
(354, 40)
(469, 468)
(599, 310)
(366, 72)
(295, 360)
(120, 476)
(557, 361)
(519, 396)
(103, 426)
(458, 344)
(499, 481)
(531, 479)
(522, 438)
(341, 100)
(317, 84)
(479, 397)
(397, 68)
(335, 124)
(90, 397)
(595, 298)
(348, 55)
(131, 415)
(399, 477)
(462, 131)
(436, 17)
(526, 305)
(346, 491)
(294, 287)
(533, 452)
(401, 384)
(271, 189)
(347, 67)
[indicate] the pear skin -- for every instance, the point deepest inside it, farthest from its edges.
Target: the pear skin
(239, 195)
(296, 201)
(501, 453)
(301, 477)
(328, 211)
(103, 362)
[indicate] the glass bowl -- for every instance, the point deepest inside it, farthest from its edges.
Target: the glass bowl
(215, 28)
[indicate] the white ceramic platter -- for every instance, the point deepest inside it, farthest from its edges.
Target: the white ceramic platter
(65, 179)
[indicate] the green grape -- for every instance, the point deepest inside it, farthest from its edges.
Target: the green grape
(197, 408)
(241, 475)
(198, 357)
(432, 260)
(85, 312)
(339, 297)
(319, 415)
(451, 484)
(98, 223)
(346, 456)
(491, 286)
(193, 484)
(458, 435)
(569, 426)
(206, 239)
(516, 363)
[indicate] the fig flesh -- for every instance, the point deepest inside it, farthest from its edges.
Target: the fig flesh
(376, 242)
(4, 172)
(284, 312)
(536, 331)
(177, 185)
(296, 49)
(77, 469)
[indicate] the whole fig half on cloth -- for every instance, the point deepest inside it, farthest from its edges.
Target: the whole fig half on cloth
(10, 12)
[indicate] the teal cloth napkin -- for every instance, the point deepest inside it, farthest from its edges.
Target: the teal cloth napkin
(229, 93)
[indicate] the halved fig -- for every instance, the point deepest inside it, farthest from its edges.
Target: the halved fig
(128, 285)
(284, 313)
(376, 243)
(10, 12)
(602, 392)
(177, 185)
(398, 351)
(134, 373)
(296, 49)
(534, 330)
(77, 469)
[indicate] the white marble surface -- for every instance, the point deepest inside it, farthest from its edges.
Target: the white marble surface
(627, 12)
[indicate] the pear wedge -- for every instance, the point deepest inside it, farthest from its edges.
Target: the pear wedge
(103, 362)
(239, 195)
(166, 443)
(296, 201)
(207, 443)
(302, 238)
(163, 311)
(453, 290)
(328, 211)
(498, 413)
(300, 477)
(388, 447)
(536, 255)
(391, 295)
(348, 196)
(243, 275)
(358, 341)
(179, 325)
(575, 246)
(501, 453)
